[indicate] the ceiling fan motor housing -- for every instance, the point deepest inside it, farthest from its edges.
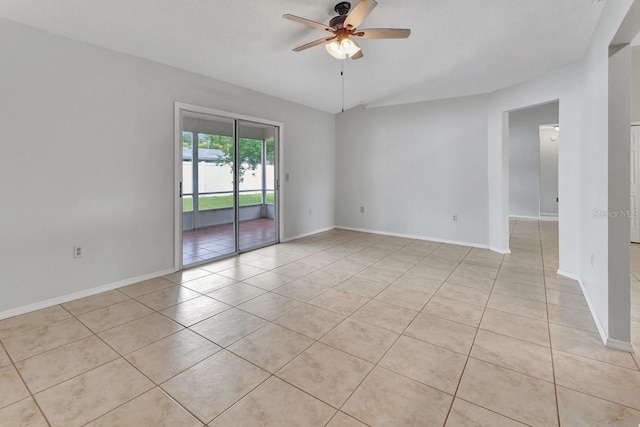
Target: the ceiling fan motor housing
(342, 9)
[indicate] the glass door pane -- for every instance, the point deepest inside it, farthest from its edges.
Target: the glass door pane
(187, 181)
(208, 200)
(257, 148)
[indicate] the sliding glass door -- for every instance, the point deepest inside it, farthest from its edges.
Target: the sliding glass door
(229, 177)
(256, 182)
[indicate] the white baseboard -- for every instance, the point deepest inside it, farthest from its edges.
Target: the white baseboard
(541, 217)
(500, 250)
(601, 330)
(620, 345)
(81, 294)
(604, 336)
(414, 236)
(533, 218)
(309, 233)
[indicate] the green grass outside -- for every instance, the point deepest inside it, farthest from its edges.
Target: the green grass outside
(226, 201)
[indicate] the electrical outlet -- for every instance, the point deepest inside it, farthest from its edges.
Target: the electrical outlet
(309, 211)
(286, 177)
(77, 251)
(454, 218)
(361, 209)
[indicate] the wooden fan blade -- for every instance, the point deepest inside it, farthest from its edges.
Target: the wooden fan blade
(309, 23)
(383, 33)
(359, 13)
(313, 43)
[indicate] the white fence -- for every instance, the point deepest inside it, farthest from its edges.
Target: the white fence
(219, 178)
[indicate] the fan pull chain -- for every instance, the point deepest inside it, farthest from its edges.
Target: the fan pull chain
(342, 77)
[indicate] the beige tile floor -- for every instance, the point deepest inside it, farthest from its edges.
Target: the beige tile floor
(337, 329)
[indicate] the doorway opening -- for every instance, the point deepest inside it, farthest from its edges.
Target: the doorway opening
(227, 178)
(548, 171)
(533, 162)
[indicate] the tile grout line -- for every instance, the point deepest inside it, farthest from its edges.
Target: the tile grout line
(600, 398)
(31, 395)
(105, 306)
(636, 362)
(374, 364)
(154, 311)
(402, 334)
(221, 348)
(493, 411)
(553, 369)
(499, 366)
(120, 356)
(512, 370)
(34, 398)
(123, 357)
(370, 299)
(464, 368)
(314, 342)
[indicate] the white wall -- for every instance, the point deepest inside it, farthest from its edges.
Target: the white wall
(549, 141)
(606, 117)
(89, 134)
(584, 180)
(563, 86)
(524, 157)
(635, 84)
(413, 167)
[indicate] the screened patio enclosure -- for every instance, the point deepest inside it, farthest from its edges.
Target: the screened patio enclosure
(228, 186)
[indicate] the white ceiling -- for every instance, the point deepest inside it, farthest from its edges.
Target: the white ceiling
(457, 47)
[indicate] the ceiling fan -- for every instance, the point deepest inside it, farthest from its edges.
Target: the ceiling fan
(343, 30)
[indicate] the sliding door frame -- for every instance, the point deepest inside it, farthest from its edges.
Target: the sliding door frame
(181, 107)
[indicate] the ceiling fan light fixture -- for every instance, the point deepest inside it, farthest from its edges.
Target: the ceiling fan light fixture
(342, 49)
